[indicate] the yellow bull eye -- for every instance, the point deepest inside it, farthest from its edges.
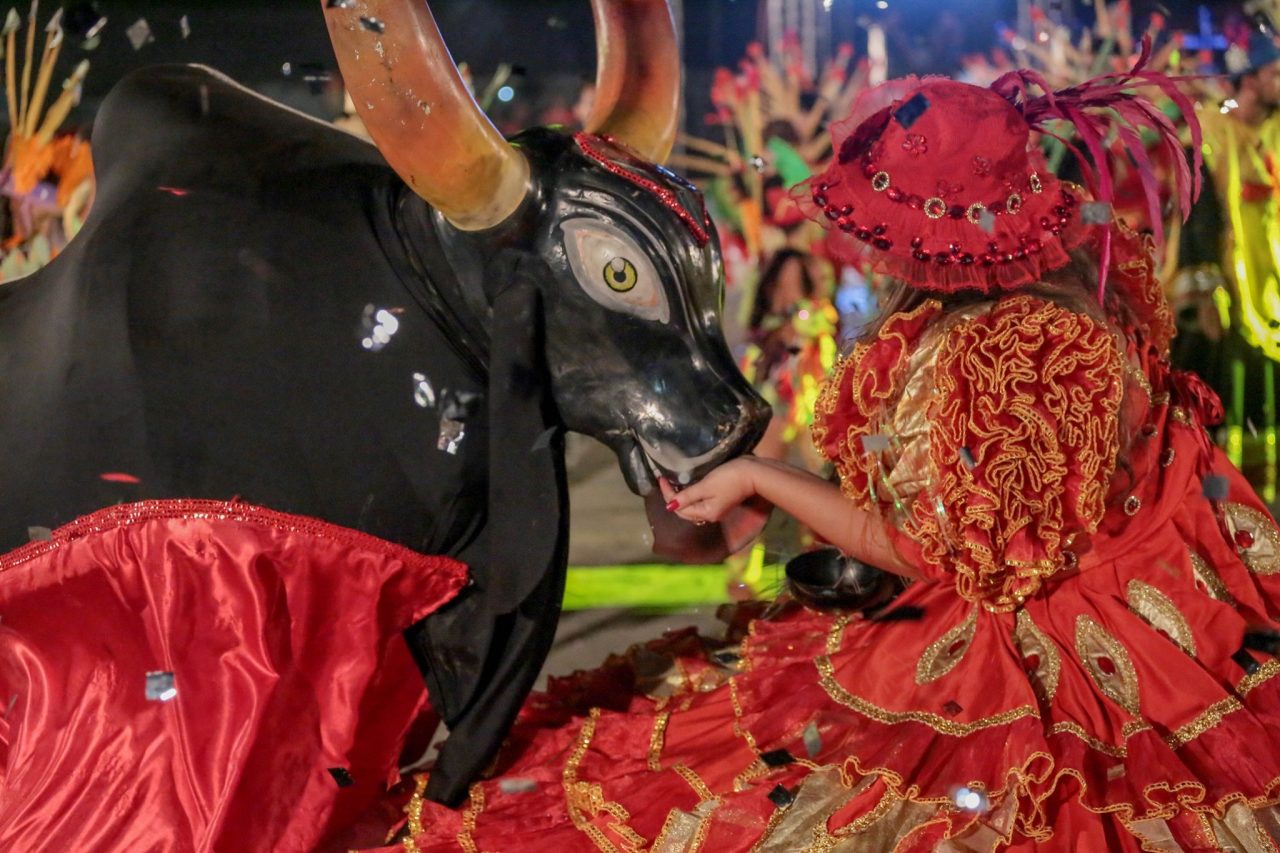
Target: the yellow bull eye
(620, 274)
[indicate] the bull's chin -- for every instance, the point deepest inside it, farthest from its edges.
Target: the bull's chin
(637, 470)
(673, 537)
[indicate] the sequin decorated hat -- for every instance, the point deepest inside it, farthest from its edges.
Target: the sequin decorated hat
(942, 184)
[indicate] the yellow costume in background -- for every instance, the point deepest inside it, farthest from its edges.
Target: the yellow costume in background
(1242, 160)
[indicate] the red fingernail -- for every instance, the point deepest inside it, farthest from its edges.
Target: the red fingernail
(674, 505)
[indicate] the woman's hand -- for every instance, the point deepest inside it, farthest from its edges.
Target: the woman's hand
(712, 497)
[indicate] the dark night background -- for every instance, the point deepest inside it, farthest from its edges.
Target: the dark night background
(550, 41)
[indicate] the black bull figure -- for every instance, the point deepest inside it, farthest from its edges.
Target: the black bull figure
(259, 307)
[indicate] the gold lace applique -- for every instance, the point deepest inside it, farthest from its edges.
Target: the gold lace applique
(1159, 611)
(1032, 391)
(586, 800)
(1255, 536)
(937, 722)
(1207, 578)
(1040, 657)
(1108, 664)
(942, 655)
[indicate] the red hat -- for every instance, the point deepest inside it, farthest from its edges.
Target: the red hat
(940, 184)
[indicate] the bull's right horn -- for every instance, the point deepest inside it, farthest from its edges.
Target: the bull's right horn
(637, 75)
(420, 114)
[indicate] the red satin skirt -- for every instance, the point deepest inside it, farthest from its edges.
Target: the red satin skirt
(199, 675)
(1115, 711)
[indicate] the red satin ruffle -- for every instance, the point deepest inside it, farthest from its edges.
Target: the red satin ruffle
(283, 637)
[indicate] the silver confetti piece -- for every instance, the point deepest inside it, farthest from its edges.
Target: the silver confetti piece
(139, 33)
(1253, 430)
(340, 4)
(971, 799)
(812, 740)
(1095, 213)
(39, 534)
(184, 26)
(987, 221)
(423, 394)
(967, 458)
(517, 786)
(875, 443)
(373, 25)
(451, 434)
(160, 687)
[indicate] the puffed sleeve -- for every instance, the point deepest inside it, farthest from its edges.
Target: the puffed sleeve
(1023, 437)
(984, 438)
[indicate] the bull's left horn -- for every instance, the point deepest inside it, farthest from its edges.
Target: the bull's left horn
(420, 114)
(637, 75)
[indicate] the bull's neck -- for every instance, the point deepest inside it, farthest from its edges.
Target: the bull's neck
(447, 278)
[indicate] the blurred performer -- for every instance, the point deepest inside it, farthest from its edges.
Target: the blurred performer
(793, 347)
(1234, 238)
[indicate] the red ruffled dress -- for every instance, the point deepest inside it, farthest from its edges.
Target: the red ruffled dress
(1069, 676)
(201, 675)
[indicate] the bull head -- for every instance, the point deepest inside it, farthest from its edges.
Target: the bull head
(631, 275)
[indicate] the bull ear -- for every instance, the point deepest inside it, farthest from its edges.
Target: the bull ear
(420, 114)
(637, 75)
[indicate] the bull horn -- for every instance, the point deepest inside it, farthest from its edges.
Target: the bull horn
(420, 114)
(637, 75)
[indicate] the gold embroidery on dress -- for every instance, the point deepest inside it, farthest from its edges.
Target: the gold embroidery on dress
(1108, 664)
(475, 805)
(1264, 673)
(943, 654)
(691, 776)
(1205, 720)
(586, 800)
(657, 738)
(1262, 553)
(1204, 574)
(1077, 730)
(937, 722)
(1159, 611)
(414, 811)
(1040, 657)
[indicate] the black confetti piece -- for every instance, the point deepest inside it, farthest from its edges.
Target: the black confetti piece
(899, 614)
(373, 25)
(342, 777)
(1216, 487)
(1246, 661)
(340, 4)
(781, 797)
(952, 708)
(517, 786)
(727, 658)
(39, 534)
(909, 112)
(1263, 641)
(967, 458)
(777, 758)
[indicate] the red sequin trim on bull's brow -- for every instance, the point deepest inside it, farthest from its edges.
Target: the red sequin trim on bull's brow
(586, 142)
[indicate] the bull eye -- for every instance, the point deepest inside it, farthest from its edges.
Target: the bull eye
(620, 274)
(617, 268)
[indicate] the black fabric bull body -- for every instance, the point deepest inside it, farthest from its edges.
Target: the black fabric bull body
(205, 335)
